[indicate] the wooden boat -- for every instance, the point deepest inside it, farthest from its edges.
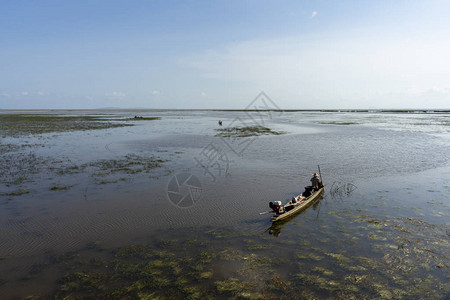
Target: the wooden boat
(296, 205)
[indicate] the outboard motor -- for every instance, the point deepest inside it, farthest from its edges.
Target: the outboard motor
(275, 206)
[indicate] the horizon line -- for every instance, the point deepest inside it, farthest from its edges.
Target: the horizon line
(233, 109)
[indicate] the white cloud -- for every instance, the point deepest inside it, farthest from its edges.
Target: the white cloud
(325, 68)
(314, 13)
(156, 92)
(116, 95)
(442, 90)
(416, 90)
(5, 95)
(25, 94)
(203, 94)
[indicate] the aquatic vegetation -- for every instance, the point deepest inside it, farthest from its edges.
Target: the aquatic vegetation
(150, 271)
(193, 292)
(383, 291)
(26, 124)
(6, 148)
(337, 123)
(229, 285)
(310, 256)
(190, 241)
(189, 268)
(367, 262)
(59, 187)
(356, 278)
(384, 247)
(132, 250)
(339, 257)
(221, 234)
(18, 192)
(206, 275)
(318, 281)
(21, 170)
(206, 257)
(375, 237)
(67, 170)
(17, 167)
(237, 289)
(130, 164)
(253, 245)
(323, 271)
(140, 119)
(86, 282)
(246, 131)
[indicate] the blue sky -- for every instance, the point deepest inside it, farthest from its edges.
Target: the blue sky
(221, 54)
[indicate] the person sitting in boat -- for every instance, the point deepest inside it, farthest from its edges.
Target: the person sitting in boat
(315, 181)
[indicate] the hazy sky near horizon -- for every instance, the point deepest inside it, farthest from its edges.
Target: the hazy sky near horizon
(222, 54)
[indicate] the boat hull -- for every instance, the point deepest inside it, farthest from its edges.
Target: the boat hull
(298, 207)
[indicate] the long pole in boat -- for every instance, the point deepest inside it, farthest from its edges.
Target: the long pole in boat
(320, 174)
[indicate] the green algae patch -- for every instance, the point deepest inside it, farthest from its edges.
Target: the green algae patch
(234, 288)
(18, 167)
(83, 282)
(323, 271)
(222, 234)
(21, 170)
(206, 275)
(253, 245)
(223, 263)
(141, 119)
(310, 256)
(356, 268)
(189, 268)
(337, 123)
(7, 148)
(229, 285)
(25, 169)
(131, 164)
(375, 237)
(59, 187)
(162, 271)
(18, 192)
(339, 257)
(357, 279)
(30, 124)
(318, 281)
(246, 131)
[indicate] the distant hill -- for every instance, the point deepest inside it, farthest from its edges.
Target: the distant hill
(120, 108)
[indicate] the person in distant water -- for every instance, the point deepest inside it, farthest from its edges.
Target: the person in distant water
(220, 122)
(315, 181)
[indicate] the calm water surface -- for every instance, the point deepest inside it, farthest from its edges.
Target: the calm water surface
(381, 229)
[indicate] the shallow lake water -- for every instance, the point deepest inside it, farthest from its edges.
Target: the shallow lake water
(103, 213)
